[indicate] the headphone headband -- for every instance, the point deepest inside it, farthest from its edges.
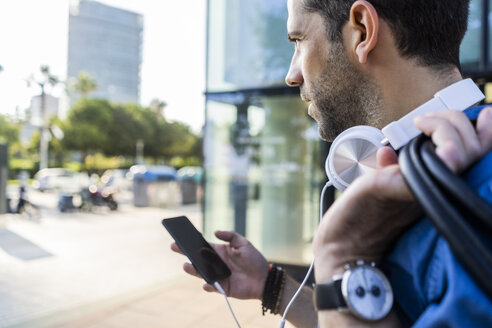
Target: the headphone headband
(459, 96)
(353, 152)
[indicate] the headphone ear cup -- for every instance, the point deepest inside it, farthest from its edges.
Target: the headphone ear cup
(352, 154)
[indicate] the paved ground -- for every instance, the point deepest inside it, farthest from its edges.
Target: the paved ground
(104, 269)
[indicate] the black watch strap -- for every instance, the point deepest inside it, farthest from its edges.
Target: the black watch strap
(328, 296)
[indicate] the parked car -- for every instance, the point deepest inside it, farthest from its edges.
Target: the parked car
(118, 180)
(60, 179)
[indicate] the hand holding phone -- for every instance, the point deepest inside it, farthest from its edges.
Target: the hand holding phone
(203, 257)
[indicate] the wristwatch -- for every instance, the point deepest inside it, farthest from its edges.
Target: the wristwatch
(363, 290)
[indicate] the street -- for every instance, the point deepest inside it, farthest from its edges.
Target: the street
(64, 261)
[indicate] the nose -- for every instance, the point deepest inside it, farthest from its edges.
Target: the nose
(294, 77)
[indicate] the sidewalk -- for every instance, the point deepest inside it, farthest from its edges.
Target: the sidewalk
(108, 270)
(180, 303)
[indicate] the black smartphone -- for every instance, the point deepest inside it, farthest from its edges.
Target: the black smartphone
(203, 257)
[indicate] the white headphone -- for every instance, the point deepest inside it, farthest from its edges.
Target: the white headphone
(353, 152)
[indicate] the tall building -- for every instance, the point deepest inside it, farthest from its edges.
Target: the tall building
(106, 42)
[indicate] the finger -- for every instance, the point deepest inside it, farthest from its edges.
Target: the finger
(484, 129)
(175, 248)
(209, 288)
(235, 239)
(449, 146)
(389, 183)
(190, 269)
(465, 129)
(386, 156)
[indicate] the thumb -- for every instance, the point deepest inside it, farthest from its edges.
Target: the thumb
(234, 239)
(484, 122)
(386, 156)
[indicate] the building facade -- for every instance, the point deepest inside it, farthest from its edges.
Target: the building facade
(263, 157)
(264, 161)
(105, 42)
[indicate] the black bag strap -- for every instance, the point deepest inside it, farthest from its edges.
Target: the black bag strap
(458, 213)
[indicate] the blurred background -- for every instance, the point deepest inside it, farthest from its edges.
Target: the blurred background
(117, 113)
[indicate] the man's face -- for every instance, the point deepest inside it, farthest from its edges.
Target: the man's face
(341, 95)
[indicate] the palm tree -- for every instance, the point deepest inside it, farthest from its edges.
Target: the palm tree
(46, 78)
(157, 107)
(84, 84)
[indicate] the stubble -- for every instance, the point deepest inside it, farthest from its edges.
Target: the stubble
(343, 96)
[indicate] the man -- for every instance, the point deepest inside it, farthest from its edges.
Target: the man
(368, 63)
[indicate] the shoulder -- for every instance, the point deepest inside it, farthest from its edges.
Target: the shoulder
(430, 285)
(473, 112)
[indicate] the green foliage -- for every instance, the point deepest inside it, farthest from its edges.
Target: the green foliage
(83, 84)
(99, 162)
(85, 126)
(179, 161)
(105, 135)
(16, 165)
(9, 131)
(9, 134)
(49, 78)
(74, 166)
(95, 125)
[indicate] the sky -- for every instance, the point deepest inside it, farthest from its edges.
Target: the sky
(35, 33)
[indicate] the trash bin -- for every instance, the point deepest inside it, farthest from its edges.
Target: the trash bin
(155, 186)
(189, 178)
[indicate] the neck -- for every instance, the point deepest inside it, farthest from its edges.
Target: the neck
(409, 86)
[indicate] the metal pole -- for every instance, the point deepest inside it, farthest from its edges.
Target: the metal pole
(3, 178)
(43, 142)
(140, 152)
(484, 51)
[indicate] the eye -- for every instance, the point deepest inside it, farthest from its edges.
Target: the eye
(296, 42)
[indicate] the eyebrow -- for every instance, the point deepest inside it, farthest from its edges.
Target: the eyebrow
(292, 36)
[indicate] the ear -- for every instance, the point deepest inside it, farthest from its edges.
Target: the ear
(364, 21)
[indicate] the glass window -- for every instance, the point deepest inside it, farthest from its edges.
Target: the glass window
(471, 45)
(489, 21)
(263, 174)
(247, 44)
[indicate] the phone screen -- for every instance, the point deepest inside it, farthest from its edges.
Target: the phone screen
(203, 257)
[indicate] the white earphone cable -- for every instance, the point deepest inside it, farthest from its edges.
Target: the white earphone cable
(321, 203)
(221, 290)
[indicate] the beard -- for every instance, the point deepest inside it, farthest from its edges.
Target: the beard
(343, 96)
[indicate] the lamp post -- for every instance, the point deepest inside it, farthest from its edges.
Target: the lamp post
(140, 152)
(46, 79)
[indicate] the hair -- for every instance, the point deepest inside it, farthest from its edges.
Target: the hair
(430, 31)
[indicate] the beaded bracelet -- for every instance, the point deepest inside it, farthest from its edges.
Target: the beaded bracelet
(272, 291)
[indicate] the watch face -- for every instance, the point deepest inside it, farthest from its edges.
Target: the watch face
(367, 292)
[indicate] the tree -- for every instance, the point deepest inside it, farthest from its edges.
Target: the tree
(44, 80)
(129, 126)
(157, 107)
(86, 126)
(95, 125)
(48, 77)
(83, 84)
(9, 131)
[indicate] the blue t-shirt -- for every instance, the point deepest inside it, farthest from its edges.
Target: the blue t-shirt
(432, 289)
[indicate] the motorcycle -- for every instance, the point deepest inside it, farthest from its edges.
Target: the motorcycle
(94, 196)
(90, 197)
